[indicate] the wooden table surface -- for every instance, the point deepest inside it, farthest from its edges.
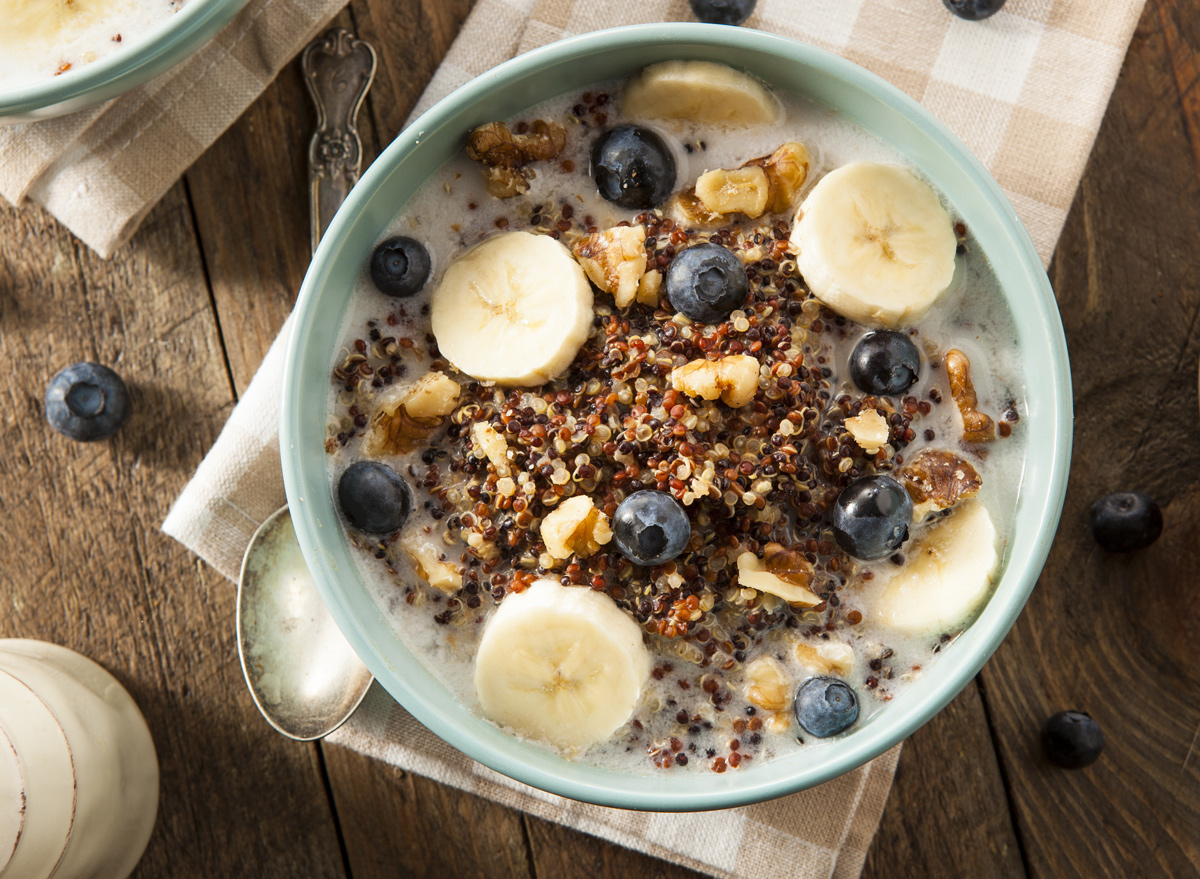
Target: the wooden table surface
(185, 313)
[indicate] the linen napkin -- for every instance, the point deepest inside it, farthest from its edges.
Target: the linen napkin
(101, 170)
(1025, 89)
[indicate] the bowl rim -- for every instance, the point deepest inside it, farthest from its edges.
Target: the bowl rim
(1023, 563)
(122, 71)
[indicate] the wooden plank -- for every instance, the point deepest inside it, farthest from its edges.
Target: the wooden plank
(948, 814)
(562, 853)
(412, 37)
(86, 566)
(1109, 634)
(394, 823)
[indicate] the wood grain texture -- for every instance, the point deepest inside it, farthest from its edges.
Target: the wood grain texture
(211, 277)
(1115, 635)
(412, 37)
(947, 814)
(395, 824)
(562, 853)
(85, 565)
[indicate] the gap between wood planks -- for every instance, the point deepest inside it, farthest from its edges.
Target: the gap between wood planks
(1004, 777)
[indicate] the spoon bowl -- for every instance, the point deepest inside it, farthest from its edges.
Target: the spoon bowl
(302, 674)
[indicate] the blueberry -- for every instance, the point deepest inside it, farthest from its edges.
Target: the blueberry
(707, 282)
(974, 10)
(826, 707)
(1125, 521)
(651, 527)
(374, 497)
(400, 266)
(871, 517)
(885, 363)
(1072, 740)
(87, 401)
(722, 11)
(633, 167)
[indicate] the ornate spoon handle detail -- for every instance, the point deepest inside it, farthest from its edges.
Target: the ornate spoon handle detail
(338, 69)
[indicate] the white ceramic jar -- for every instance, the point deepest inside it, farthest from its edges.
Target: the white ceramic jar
(78, 772)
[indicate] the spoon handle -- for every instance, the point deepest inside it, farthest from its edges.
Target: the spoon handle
(338, 69)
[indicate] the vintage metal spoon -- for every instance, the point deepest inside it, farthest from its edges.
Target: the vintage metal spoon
(302, 674)
(338, 70)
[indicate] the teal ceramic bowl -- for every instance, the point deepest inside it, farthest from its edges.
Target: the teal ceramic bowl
(142, 60)
(574, 64)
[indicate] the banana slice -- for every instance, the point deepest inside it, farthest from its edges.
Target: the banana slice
(702, 91)
(947, 576)
(47, 20)
(562, 664)
(874, 244)
(514, 310)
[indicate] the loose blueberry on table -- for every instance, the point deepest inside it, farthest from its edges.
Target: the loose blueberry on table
(825, 707)
(707, 283)
(374, 497)
(871, 517)
(1072, 739)
(400, 266)
(885, 363)
(723, 11)
(1125, 521)
(651, 527)
(86, 402)
(974, 10)
(633, 167)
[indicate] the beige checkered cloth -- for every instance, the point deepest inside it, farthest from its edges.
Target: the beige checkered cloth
(1025, 90)
(101, 170)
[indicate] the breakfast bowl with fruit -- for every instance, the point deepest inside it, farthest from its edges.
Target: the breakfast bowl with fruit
(676, 417)
(61, 56)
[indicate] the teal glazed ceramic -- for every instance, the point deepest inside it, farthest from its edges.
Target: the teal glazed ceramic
(575, 64)
(140, 61)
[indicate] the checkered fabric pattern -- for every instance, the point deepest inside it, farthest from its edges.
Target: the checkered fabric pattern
(1025, 90)
(822, 833)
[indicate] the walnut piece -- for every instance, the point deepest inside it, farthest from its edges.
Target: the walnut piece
(686, 209)
(430, 562)
(780, 572)
(977, 427)
(650, 288)
(743, 190)
(869, 429)
(767, 684)
(937, 479)
(575, 527)
(826, 657)
(505, 182)
(406, 416)
(491, 444)
(768, 184)
(733, 378)
(787, 169)
(777, 722)
(433, 395)
(505, 154)
(615, 261)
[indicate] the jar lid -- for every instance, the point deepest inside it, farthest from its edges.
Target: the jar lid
(37, 784)
(12, 800)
